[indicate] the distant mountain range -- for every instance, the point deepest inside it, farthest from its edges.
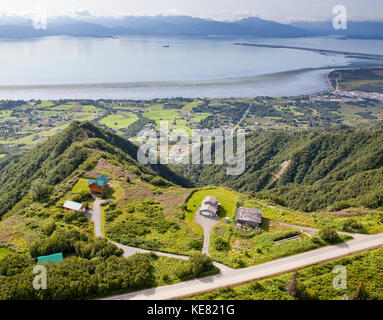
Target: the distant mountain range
(355, 29)
(89, 26)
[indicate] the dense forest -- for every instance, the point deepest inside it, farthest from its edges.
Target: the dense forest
(310, 170)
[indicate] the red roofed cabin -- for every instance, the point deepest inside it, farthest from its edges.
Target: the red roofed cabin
(99, 185)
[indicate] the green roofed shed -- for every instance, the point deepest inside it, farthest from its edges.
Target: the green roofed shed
(53, 258)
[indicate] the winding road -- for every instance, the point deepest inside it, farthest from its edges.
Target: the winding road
(241, 276)
(231, 277)
(96, 216)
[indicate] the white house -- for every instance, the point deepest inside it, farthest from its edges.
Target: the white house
(209, 207)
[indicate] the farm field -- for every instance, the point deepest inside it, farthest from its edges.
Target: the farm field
(116, 121)
(24, 124)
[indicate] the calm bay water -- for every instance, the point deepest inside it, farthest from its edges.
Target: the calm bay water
(142, 68)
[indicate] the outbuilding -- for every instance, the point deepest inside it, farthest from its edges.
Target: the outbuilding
(248, 216)
(53, 258)
(72, 205)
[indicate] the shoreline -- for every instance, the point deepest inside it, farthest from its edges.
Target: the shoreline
(288, 83)
(308, 81)
(320, 51)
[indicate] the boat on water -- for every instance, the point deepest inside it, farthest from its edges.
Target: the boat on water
(167, 46)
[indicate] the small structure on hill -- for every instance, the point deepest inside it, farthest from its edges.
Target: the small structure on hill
(209, 207)
(72, 205)
(249, 217)
(53, 258)
(99, 185)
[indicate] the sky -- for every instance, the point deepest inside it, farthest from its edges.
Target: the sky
(277, 10)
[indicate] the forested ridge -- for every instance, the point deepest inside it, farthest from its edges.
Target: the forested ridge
(309, 170)
(61, 155)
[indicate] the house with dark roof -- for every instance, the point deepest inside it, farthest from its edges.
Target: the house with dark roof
(209, 207)
(99, 185)
(249, 217)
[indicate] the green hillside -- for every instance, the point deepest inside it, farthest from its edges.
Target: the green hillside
(62, 155)
(142, 210)
(309, 171)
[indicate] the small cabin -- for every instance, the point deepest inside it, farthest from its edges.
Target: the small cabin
(75, 206)
(99, 185)
(249, 217)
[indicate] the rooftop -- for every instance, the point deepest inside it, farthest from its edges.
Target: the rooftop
(249, 215)
(101, 181)
(208, 207)
(212, 200)
(73, 205)
(53, 258)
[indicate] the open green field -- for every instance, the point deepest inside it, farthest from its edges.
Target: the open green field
(239, 248)
(116, 121)
(146, 226)
(315, 283)
(371, 221)
(368, 80)
(45, 104)
(81, 185)
(4, 252)
(76, 108)
(30, 139)
(227, 198)
(162, 115)
(5, 113)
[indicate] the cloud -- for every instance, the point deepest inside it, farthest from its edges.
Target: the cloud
(167, 12)
(234, 15)
(80, 12)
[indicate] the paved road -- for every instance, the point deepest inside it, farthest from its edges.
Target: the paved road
(207, 224)
(314, 230)
(96, 217)
(243, 118)
(272, 268)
